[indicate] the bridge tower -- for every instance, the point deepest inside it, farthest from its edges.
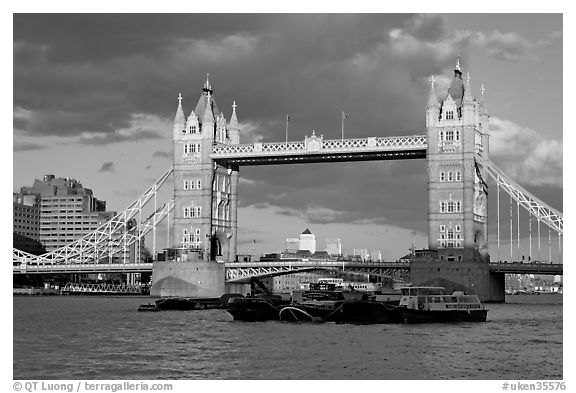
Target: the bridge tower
(204, 227)
(205, 193)
(457, 130)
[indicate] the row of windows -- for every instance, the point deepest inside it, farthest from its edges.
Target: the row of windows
(191, 239)
(192, 212)
(450, 206)
(449, 135)
(457, 228)
(192, 184)
(450, 176)
(191, 129)
(450, 244)
(29, 216)
(61, 199)
(191, 148)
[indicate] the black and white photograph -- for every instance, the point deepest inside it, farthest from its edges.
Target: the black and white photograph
(287, 196)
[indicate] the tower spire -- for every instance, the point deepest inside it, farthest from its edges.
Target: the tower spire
(467, 91)
(179, 118)
(233, 117)
(233, 126)
(432, 98)
(207, 87)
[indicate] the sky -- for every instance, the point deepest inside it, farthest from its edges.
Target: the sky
(94, 97)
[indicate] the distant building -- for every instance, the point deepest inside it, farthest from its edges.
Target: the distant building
(333, 247)
(67, 210)
(26, 216)
(292, 244)
(375, 255)
(308, 241)
(362, 253)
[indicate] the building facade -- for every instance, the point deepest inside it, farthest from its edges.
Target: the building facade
(308, 241)
(205, 215)
(333, 247)
(67, 210)
(457, 130)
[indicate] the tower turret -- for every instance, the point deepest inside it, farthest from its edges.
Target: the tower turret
(233, 127)
(179, 118)
(433, 106)
(467, 104)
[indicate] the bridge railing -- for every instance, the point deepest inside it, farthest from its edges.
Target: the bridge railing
(319, 144)
(283, 263)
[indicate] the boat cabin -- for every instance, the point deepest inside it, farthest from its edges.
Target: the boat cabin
(434, 299)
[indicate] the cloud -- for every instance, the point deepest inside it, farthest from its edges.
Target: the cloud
(163, 154)
(505, 46)
(107, 167)
(525, 155)
(26, 146)
(429, 34)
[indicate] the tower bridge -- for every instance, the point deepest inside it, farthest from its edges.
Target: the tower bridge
(202, 217)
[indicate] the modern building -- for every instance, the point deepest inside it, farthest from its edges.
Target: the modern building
(67, 210)
(375, 255)
(362, 253)
(308, 241)
(292, 244)
(26, 224)
(333, 247)
(26, 216)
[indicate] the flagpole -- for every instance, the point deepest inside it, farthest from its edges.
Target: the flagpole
(342, 125)
(287, 120)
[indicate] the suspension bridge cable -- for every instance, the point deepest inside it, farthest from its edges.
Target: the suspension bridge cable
(530, 230)
(498, 213)
(518, 227)
(511, 232)
(539, 247)
(559, 248)
(549, 246)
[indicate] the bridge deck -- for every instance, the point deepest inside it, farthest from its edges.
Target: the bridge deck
(279, 267)
(317, 149)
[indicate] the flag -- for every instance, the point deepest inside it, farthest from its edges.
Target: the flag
(287, 118)
(344, 115)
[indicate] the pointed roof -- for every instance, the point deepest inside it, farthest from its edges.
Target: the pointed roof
(468, 91)
(233, 118)
(432, 98)
(179, 117)
(203, 101)
(307, 232)
(456, 89)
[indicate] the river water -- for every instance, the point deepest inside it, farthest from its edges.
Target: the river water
(68, 337)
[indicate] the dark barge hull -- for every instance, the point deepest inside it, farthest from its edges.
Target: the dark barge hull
(185, 304)
(423, 316)
(369, 312)
(252, 310)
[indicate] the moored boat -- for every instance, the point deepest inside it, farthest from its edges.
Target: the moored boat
(253, 309)
(431, 304)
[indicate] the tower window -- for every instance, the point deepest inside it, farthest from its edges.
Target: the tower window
(458, 176)
(186, 184)
(450, 176)
(457, 135)
(449, 135)
(449, 115)
(442, 228)
(442, 176)
(193, 129)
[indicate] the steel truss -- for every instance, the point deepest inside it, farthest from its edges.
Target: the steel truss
(114, 236)
(542, 211)
(242, 271)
